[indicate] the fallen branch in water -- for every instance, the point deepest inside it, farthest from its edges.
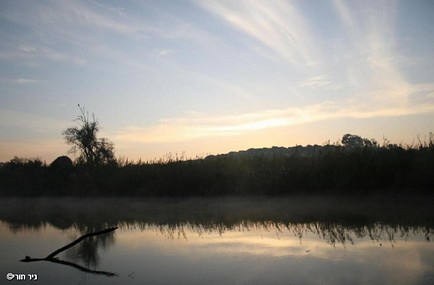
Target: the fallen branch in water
(52, 256)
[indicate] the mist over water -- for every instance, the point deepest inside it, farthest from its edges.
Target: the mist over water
(256, 240)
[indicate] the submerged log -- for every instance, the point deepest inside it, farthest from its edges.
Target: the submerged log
(54, 253)
(52, 256)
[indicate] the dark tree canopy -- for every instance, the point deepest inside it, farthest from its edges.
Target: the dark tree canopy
(62, 163)
(356, 141)
(83, 138)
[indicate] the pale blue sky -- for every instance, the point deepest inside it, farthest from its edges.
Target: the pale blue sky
(207, 77)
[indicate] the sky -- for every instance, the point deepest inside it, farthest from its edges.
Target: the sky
(206, 77)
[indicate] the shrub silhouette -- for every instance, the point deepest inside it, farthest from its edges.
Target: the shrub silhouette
(91, 149)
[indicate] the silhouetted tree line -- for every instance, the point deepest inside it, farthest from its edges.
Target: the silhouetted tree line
(354, 166)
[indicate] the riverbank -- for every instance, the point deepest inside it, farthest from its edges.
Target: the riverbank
(310, 170)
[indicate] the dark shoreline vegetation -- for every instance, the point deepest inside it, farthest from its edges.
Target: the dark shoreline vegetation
(356, 167)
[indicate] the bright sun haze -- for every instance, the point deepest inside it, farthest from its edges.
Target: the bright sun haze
(206, 77)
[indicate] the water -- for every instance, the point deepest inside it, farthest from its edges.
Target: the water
(219, 241)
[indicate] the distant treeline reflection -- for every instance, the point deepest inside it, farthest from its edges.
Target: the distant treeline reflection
(332, 233)
(336, 220)
(357, 166)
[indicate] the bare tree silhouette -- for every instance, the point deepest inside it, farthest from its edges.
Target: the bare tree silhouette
(83, 138)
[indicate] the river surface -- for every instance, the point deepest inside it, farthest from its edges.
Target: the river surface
(293, 240)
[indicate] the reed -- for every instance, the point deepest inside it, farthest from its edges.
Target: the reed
(350, 169)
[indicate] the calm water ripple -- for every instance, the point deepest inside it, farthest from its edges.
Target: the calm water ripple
(294, 240)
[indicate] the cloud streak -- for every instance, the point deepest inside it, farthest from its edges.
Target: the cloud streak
(362, 58)
(372, 37)
(199, 126)
(363, 71)
(21, 81)
(277, 25)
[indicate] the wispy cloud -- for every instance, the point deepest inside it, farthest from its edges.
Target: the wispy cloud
(30, 55)
(21, 81)
(363, 56)
(196, 126)
(319, 82)
(166, 52)
(277, 25)
(371, 32)
(80, 32)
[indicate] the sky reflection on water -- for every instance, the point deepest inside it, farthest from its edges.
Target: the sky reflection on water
(157, 254)
(215, 251)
